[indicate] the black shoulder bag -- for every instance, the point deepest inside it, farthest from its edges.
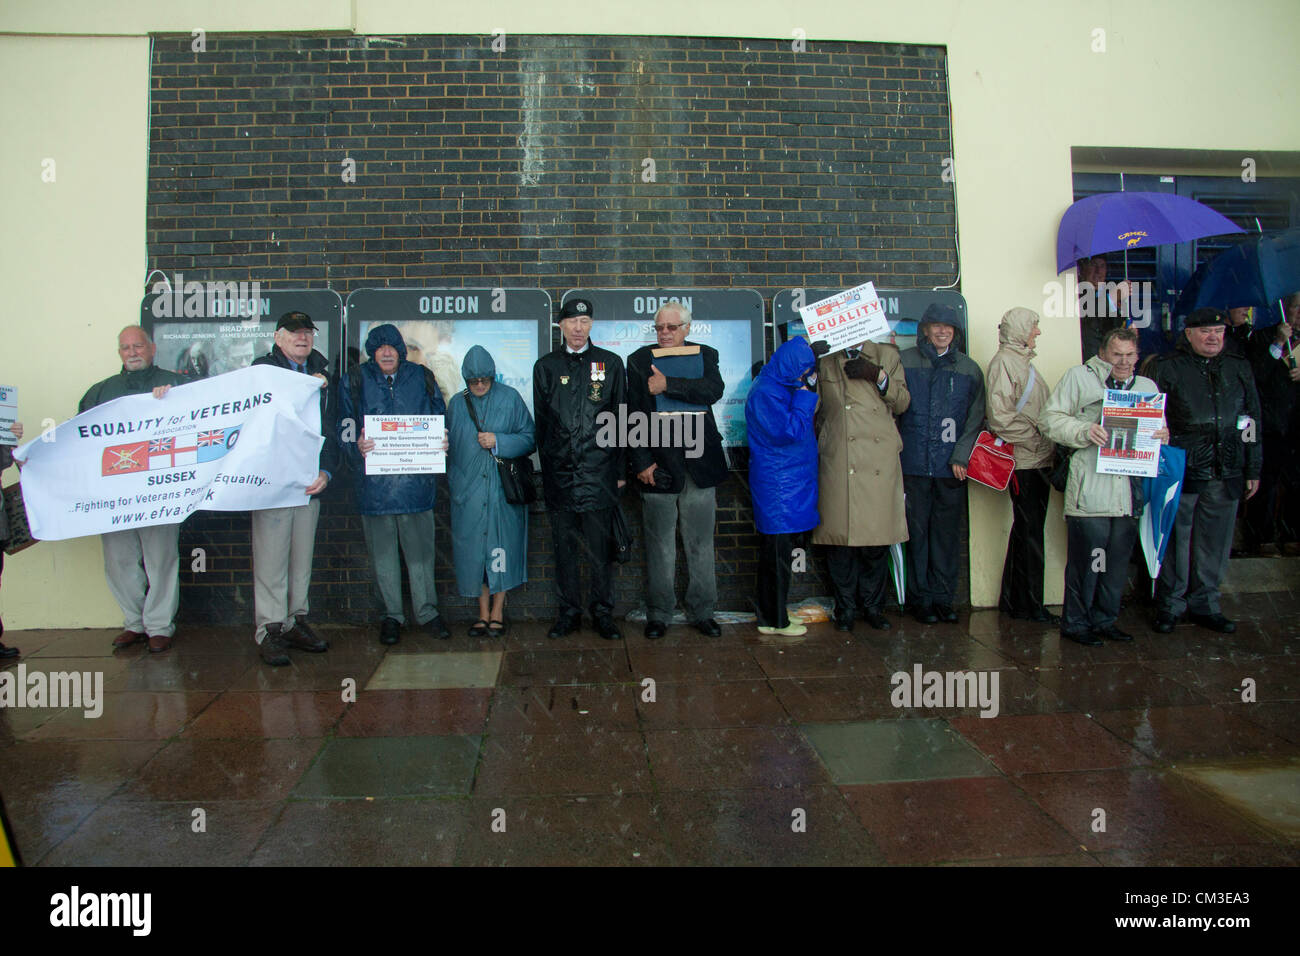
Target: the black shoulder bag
(516, 473)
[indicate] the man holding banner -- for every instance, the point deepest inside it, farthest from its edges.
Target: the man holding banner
(142, 565)
(284, 539)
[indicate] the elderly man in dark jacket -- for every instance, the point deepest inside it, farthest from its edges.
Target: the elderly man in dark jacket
(576, 390)
(284, 539)
(1213, 414)
(1272, 360)
(394, 508)
(939, 430)
(142, 565)
(678, 484)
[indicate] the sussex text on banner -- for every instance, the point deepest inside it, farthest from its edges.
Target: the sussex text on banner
(242, 441)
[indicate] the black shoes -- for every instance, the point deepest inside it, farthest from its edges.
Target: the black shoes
(390, 631)
(1087, 638)
(565, 624)
(1214, 622)
(479, 628)
(875, 619)
(8, 652)
(1164, 623)
(655, 630)
(925, 614)
(1112, 633)
(708, 627)
(274, 649)
(1040, 616)
(843, 620)
(438, 629)
(607, 629)
(301, 637)
(945, 613)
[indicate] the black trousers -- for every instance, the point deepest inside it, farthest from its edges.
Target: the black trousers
(1096, 569)
(1022, 573)
(859, 576)
(934, 510)
(576, 535)
(774, 559)
(1278, 479)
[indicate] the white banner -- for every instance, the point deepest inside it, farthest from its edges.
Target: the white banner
(405, 445)
(847, 319)
(242, 441)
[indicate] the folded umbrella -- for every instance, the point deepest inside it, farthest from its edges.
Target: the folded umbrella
(1109, 222)
(1156, 524)
(898, 571)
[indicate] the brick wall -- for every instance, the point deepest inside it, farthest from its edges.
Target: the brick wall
(772, 169)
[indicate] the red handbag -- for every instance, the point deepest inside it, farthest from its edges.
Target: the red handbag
(992, 462)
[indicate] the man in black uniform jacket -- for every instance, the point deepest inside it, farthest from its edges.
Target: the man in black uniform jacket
(572, 387)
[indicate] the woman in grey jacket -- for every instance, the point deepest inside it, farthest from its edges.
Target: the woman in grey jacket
(1100, 510)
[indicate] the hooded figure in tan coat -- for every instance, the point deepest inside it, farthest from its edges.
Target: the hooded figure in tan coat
(861, 480)
(1017, 395)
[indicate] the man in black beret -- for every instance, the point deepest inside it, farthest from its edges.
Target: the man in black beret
(1212, 411)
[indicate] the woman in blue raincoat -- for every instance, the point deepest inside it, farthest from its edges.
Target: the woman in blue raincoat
(490, 535)
(782, 473)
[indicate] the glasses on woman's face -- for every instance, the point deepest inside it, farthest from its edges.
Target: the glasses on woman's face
(478, 381)
(669, 328)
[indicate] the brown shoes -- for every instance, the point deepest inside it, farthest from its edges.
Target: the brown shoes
(274, 649)
(302, 638)
(159, 643)
(127, 638)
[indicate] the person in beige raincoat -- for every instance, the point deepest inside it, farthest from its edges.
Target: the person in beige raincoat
(861, 481)
(1016, 397)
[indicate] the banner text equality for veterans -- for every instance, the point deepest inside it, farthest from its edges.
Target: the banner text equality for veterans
(246, 440)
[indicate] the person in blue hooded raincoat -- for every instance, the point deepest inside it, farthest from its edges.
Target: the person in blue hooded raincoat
(490, 535)
(395, 509)
(782, 472)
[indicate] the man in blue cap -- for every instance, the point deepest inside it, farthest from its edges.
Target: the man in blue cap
(395, 509)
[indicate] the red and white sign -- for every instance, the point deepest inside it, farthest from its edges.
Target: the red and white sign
(847, 319)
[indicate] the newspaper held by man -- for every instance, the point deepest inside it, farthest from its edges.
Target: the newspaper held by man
(1130, 420)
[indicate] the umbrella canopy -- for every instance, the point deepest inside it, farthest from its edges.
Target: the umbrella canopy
(1109, 222)
(1162, 492)
(1257, 273)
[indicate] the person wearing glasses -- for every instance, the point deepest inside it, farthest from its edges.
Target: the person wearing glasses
(395, 509)
(678, 481)
(284, 539)
(576, 387)
(487, 421)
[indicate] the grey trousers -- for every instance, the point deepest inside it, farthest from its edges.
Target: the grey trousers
(697, 508)
(142, 567)
(284, 540)
(415, 534)
(1197, 552)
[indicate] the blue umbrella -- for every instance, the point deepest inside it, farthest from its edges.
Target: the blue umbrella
(1258, 273)
(1109, 222)
(1157, 521)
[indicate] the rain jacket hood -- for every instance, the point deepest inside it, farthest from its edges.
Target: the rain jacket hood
(478, 364)
(1014, 329)
(791, 362)
(382, 335)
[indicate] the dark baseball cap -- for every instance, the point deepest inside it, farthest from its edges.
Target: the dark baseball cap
(295, 321)
(580, 307)
(1203, 317)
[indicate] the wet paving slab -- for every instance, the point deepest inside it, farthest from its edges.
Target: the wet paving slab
(743, 749)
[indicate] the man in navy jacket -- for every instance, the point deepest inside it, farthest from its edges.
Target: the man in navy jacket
(394, 508)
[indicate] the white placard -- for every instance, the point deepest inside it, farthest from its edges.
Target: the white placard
(1130, 418)
(8, 413)
(242, 441)
(405, 445)
(846, 319)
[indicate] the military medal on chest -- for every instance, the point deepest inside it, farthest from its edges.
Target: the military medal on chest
(597, 380)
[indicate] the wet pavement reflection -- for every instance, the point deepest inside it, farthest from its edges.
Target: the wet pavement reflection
(862, 748)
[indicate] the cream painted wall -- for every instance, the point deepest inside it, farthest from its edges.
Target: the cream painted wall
(71, 262)
(1025, 82)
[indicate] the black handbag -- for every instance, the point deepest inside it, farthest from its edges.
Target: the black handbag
(1060, 474)
(20, 535)
(516, 473)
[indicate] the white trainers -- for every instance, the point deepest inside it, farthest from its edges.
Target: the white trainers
(793, 629)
